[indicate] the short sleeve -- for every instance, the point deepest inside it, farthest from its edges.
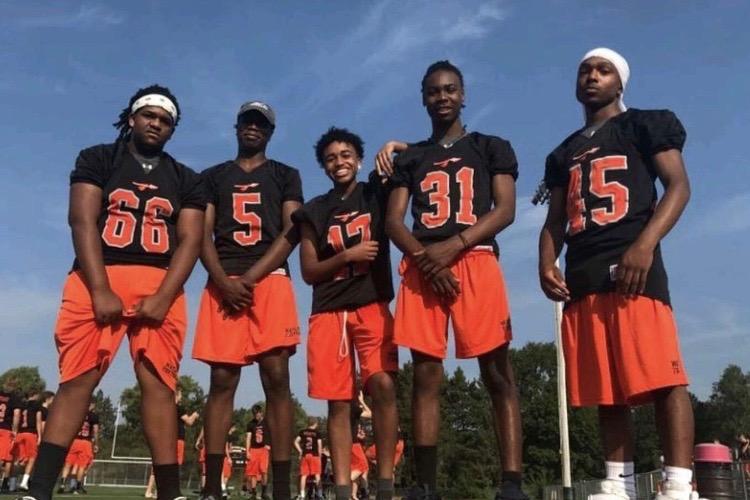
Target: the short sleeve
(657, 131)
(501, 159)
(292, 186)
(402, 170)
(192, 192)
(91, 167)
(554, 175)
(208, 177)
(302, 215)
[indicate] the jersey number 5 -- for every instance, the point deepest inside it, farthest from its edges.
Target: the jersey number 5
(359, 225)
(119, 229)
(241, 204)
(437, 184)
(615, 192)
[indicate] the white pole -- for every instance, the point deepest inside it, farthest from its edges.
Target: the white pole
(562, 399)
(117, 422)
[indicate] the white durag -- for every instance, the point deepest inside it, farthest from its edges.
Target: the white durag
(620, 64)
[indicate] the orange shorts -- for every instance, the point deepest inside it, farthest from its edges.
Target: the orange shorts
(81, 453)
(480, 314)
(226, 471)
(372, 453)
(309, 465)
(6, 445)
(270, 322)
(619, 349)
(257, 462)
(359, 460)
(25, 447)
(180, 451)
(331, 370)
(83, 344)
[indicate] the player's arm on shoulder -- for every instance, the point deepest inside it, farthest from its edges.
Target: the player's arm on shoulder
(279, 250)
(384, 157)
(551, 240)
(189, 236)
(635, 263)
(84, 208)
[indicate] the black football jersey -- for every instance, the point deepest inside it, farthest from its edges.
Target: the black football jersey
(138, 219)
(28, 416)
(181, 412)
(45, 412)
(309, 442)
(87, 428)
(341, 224)
(8, 404)
(258, 433)
(451, 188)
(611, 195)
(249, 209)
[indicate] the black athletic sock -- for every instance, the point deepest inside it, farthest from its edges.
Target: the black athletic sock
(385, 489)
(214, 466)
(4, 485)
(514, 477)
(167, 478)
(281, 471)
(49, 463)
(343, 492)
(425, 458)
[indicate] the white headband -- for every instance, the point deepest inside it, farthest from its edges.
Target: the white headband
(156, 100)
(620, 64)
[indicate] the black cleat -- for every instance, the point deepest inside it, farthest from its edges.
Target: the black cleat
(510, 491)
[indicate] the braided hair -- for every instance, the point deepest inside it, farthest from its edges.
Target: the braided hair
(122, 123)
(442, 66)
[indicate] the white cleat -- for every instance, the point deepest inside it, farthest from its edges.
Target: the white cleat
(611, 490)
(672, 490)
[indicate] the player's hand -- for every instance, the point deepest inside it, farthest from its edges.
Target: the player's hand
(439, 255)
(553, 284)
(633, 268)
(236, 295)
(445, 284)
(153, 308)
(384, 157)
(107, 306)
(365, 251)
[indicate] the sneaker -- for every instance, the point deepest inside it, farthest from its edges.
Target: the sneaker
(510, 491)
(149, 495)
(421, 493)
(26, 498)
(611, 490)
(672, 490)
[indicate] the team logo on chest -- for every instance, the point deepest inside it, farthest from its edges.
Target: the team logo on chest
(447, 162)
(141, 186)
(344, 218)
(245, 187)
(583, 154)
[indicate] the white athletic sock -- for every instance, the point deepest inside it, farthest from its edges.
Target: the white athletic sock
(622, 473)
(679, 475)
(25, 481)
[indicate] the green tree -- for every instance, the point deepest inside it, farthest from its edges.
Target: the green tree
(728, 407)
(23, 379)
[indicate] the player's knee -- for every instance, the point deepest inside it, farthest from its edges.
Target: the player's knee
(224, 383)
(275, 381)
(498, 383)
(382, 388)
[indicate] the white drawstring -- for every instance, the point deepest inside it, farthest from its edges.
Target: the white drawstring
(344, 341)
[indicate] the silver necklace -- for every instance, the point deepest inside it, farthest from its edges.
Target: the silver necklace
(449, 143)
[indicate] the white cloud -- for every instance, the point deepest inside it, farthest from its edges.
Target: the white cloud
(85, 16)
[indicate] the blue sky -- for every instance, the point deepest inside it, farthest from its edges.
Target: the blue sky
(68, 68)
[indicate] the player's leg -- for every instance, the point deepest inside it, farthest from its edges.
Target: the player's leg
(63, 422)
(274, 376)
(428, 378)
(218, 419)
(302, 485)
(674, 420)
(150, 485)
(382, 390)
(497, 376)
(159, 417)
(340, 445)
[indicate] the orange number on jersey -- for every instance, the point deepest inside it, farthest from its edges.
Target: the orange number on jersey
(617, 193)
(154, 235)
(120, 225)
(438, 182)
(575, 206)
(359, 225)
(241, 203)
(119, 228)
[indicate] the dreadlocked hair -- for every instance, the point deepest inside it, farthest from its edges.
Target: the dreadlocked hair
(442, 66)
(122, 123)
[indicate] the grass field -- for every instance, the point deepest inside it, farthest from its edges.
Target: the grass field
(95, 492)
